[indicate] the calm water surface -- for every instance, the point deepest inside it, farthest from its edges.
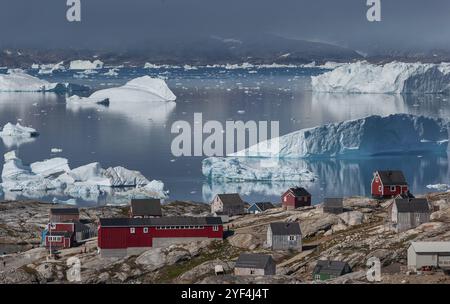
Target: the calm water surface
(139, 137)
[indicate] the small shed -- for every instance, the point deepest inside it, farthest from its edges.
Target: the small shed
(255, 264)
(333, 205)
(429, 255)
(284, 236)
(230, 204)
(256, 208)
(61, 215)
(145, 208)
(328, 269)
(406, 214)
(295, 197)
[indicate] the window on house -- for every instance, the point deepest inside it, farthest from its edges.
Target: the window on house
(252, 271)
(379, 188)
(317, 277)
(292, 238)
(392, 188)
(145, 230)
(285, 199)
(132, 230)
(215, 228)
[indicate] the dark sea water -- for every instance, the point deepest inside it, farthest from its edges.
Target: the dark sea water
(140, 138)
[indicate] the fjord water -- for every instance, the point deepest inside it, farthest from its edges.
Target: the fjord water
(139, 137)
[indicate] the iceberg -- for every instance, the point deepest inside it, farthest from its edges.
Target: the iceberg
(369, 136)
(85, 65)
(54, 177)
(17, 135)
(390, 78)
(19, 81)
(17, 130)
(233, 169)
(141, 89)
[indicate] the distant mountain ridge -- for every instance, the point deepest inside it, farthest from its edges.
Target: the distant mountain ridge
(264, 49)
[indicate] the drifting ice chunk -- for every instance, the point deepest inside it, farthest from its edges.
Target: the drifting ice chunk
(242, 169)
(18, 130)
(120, 176)
(394, 77)
(373, 135)
(142, 89)
(18, 81)
(49, 167)
(85, 65)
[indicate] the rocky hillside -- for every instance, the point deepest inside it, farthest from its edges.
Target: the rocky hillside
(354, 236)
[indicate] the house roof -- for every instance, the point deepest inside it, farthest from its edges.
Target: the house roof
(281, 228)
(62, 211)
(231, 199)
(329, 267)
(253, 260)
(405, 205)
(336, 202)
(146, 207)
(263, 206)
(299, 191)
(425, 247)
(394, 177)
(162, 221)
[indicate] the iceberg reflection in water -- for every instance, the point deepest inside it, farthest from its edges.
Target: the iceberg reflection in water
(342, 177)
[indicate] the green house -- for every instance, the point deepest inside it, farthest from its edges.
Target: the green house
(327, 269)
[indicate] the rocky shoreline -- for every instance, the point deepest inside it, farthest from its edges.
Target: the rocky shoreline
(354, 236)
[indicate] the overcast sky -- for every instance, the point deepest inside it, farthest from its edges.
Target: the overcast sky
(128, 23)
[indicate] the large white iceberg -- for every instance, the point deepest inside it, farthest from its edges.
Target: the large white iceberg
(141, 89)
(54, 177)
(85, 65)
(369, 136)
(391, 78)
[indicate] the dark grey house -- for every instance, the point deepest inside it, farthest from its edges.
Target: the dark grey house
(333, 205)
(229, 204)
(327, 269)
(255, 264)
(409, 213)
(284, 236)
(145, 208)
(260, 207)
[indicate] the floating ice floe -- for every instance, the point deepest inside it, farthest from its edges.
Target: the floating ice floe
(251, 169)
(19, 81)
(141, 89)
(17, 135)
(54, 177)
(85, 65)
(391, 78)
(112, 72)
(56, 150)
(439, 187)
(369, 136)
(45, 69)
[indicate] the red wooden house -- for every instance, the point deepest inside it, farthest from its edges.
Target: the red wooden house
(295, 198)
(125, 236)
(388, 184)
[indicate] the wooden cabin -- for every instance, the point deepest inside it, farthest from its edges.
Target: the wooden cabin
(61, 215)
(284, 236)
(333, 205)
(406, 214)
(230, 204)
(429, 255)
(327, 270)
(255, 264)
(256, 208)
(388, 184)
(295, 198)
